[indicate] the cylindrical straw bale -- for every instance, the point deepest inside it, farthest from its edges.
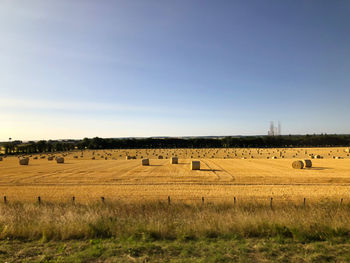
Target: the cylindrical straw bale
(59, 159)
(145, 162)
(174, 160)
(24, 161)
(298, 165)
(307, 163)
(195, 165)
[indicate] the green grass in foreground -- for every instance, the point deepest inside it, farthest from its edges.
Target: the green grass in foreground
(158, 232)
(206, 250)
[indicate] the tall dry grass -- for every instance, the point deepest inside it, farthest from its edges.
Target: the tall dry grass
(155, 220)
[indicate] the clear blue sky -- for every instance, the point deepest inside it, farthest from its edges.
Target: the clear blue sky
(74, 69)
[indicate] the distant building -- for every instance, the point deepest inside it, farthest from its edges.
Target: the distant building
(274, 131)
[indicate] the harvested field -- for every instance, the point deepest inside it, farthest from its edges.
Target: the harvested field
(223, 175)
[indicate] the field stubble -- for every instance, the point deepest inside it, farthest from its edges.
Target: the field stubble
(223, 175)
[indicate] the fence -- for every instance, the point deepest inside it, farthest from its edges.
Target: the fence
(234, 201)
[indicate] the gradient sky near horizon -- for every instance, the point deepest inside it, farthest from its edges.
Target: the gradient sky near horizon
(74, 69)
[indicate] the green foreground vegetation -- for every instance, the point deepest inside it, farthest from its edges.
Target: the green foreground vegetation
(151, 231)
(150, 250)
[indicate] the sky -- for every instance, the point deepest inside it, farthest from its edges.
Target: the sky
(85, 68)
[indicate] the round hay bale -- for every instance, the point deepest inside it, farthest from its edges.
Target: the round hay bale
(93, 158)
(35, 157)
(307, 163)
(50, 158)
(59, 159)
(174, 160)
(160, 157)
(195, 165)
(24, 161)
(298, 165)
(145, 162)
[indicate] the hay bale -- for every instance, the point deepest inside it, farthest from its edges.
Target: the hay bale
(145, 162)
(24, 161)
(307, 163)
(127, 157)
(93, 158)
(0, 158)
(195, 165)
(35, 157)
(160, 157)
(59, 159)
(274, 157)
(50, 158)
(298, 165)
(174, 160)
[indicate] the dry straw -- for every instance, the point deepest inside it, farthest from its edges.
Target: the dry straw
(298, 165)
(195, 165)
(174, 160)
(307, 163)
(24, 161)
(59, 159)
(145, 162)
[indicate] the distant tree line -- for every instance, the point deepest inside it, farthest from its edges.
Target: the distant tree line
(323, 140)
(17, 147)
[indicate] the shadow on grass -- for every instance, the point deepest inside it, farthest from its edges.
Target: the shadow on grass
(318, 168)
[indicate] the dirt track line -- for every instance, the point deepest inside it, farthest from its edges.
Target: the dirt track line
(232, 177)
(212, 170)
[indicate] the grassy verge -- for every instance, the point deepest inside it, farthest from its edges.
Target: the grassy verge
(154, 231)
(205, 250)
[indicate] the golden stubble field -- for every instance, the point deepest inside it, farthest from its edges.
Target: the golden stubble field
(225, 173)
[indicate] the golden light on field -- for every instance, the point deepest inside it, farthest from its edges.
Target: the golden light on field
(223, 174)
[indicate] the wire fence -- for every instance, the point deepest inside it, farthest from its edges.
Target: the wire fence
(232, 200)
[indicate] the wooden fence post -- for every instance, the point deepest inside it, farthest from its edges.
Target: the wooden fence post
(39, 200)
(271, 202)
(202, 200)
(102, 199)
(234, 201)
(304, 202)
(73, 199)
(341, 202)
(5, 199)
(168, 200)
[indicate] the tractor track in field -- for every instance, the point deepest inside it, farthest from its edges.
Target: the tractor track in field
(232, 177)
(212, 170)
